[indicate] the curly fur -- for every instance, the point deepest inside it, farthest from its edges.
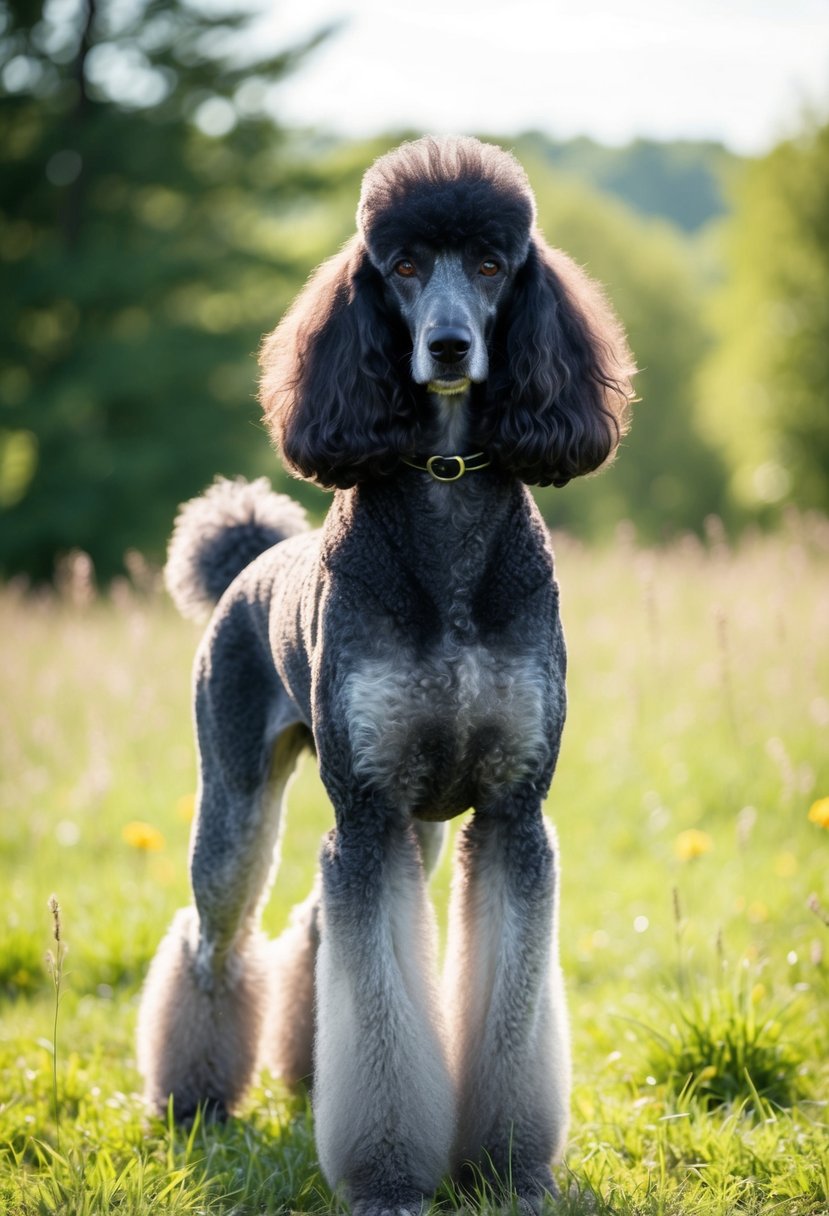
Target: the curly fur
(219, 533)
(555, 404)
(414, 643)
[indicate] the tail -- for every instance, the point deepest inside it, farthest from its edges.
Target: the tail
(219, 533)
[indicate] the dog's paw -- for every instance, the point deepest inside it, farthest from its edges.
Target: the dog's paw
(378, 1207)
(535, 1193)
(410, 1206)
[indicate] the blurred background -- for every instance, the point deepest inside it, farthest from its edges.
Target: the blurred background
(170, 172)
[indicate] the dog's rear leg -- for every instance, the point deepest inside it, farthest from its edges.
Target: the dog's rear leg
(204, 1000)
(382, 1094)
(288, 1042)
(509, 1037)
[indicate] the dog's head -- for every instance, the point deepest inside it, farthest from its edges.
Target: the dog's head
(447, 225)
(447, 291)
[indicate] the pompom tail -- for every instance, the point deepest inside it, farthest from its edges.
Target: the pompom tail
(219, 533)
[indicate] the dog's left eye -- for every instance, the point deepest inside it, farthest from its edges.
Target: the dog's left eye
(489, 267)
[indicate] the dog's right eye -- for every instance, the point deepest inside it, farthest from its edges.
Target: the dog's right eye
(405, 268)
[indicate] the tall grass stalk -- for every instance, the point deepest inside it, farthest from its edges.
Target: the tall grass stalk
(678, 928)
(54, 960)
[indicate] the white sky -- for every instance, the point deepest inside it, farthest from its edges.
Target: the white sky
(736, 70)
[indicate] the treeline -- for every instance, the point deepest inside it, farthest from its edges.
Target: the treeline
(156, 221)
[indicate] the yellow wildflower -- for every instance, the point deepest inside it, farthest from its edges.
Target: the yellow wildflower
(143, 836)
(692, 843)
(819, 812)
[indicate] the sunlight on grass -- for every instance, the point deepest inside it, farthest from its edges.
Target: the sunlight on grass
(695, 760)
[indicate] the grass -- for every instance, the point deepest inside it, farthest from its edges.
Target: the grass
(693, 883)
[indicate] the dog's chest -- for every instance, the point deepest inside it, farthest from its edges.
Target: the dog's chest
(444, 732)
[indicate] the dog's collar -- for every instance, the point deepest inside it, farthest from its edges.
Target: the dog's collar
(448, 468)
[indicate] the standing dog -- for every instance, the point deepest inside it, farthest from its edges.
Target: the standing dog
(443, 360)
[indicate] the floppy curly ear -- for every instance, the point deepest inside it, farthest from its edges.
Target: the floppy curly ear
(559, 389)
(333, 384)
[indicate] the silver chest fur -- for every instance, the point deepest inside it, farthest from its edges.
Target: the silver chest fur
(441, 732)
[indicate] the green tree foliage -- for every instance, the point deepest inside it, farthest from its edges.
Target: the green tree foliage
(765, 389)
(155, 223)
(143, 188)
(683, 181)
(668, 476)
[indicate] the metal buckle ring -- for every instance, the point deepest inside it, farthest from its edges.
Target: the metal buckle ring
(461, 463)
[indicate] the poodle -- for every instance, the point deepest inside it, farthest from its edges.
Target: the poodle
(441, 362)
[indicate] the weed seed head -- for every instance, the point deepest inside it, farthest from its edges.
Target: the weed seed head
(54, 908)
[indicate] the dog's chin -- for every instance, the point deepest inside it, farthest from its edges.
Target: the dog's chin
(449, 386)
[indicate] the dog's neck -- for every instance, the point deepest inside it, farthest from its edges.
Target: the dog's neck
(446, 536)
(444, 556)
(450, 429)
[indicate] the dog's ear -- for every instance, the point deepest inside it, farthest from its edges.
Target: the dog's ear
(334, 384)
(559, 387)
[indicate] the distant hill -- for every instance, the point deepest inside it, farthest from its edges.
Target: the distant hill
(684, 181)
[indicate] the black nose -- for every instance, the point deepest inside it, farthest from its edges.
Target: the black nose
(450, 343)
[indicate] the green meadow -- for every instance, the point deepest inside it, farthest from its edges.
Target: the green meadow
(694, 836)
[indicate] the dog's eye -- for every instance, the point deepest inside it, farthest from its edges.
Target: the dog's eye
(405, 268)
(489, 267)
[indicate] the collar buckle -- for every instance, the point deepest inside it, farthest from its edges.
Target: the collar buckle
(449, 468)
(446, 468)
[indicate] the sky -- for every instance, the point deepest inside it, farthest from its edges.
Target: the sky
(739, 71)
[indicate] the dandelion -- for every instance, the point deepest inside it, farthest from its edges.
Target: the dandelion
(819, 813)
(692, 844)
(143, 836)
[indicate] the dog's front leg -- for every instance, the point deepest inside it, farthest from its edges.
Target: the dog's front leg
(509, 1039)
(382, 1092)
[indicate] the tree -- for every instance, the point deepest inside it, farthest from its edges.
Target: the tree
(668, 476)
(680, 180)
(765, 388)
(142, 188)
